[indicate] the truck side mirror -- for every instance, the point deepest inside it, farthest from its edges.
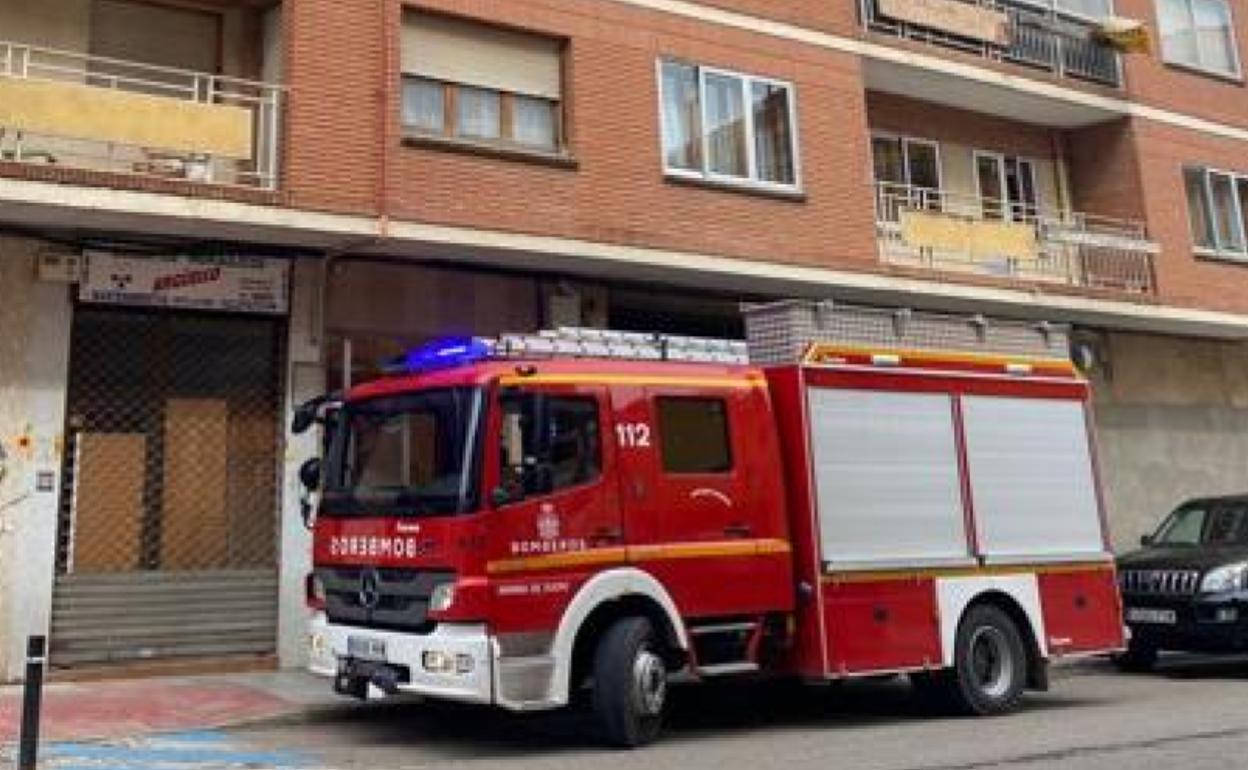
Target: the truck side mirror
(308, 413)
(310, 473)
(1147, 540)
(305, 417)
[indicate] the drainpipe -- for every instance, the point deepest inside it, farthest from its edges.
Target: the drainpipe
(385, 118)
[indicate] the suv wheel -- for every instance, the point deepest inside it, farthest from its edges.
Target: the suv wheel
(630, 683)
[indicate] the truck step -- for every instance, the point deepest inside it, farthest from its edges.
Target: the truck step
(725, 669)
(723, 628)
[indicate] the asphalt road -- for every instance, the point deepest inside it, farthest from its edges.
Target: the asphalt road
(1191, 715)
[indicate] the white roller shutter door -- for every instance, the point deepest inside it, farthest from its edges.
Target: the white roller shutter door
(1031, 478)
(886, 478)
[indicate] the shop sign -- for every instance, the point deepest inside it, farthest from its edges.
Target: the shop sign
(233, 284)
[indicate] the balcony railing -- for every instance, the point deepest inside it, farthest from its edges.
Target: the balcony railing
(934, 229)
(80, 111)
(1043, 39)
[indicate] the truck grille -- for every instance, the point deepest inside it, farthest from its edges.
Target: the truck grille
(396, 599)
(1159, 582)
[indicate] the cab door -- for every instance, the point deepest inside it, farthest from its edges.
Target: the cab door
(692, 516)
(556, 517)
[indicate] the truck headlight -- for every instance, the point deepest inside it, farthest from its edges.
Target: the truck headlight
(442, 598)
(1232, 577)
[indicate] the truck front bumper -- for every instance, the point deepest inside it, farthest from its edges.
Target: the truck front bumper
(453, 662)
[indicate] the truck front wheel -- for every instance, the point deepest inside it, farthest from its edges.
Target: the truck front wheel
(630, 683)
(990, 665)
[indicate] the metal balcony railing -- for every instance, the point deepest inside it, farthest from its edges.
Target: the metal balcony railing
(74, 145)
(1043, 39)
(965, 233)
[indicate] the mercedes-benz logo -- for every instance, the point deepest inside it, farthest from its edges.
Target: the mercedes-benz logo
(370, 590)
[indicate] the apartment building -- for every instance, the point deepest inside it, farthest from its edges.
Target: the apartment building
(212, 209)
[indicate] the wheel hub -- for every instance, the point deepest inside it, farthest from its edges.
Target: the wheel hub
(991, 664)
(650, 679)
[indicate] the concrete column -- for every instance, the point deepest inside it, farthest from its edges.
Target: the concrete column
(34, 362)
(305, 379)
(1172, 424)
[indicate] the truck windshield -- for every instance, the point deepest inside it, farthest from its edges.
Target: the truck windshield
(1205, 525)
(409, 455)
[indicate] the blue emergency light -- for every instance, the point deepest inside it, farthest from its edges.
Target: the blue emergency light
(445, 353)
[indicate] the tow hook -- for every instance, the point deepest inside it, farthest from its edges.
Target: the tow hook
(385, 679)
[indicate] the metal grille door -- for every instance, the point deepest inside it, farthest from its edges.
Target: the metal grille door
(168, 527)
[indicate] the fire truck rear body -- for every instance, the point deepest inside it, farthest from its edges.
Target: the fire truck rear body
(838, 516)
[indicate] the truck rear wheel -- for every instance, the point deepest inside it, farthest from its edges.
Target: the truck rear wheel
(990, 664)
(630, 683)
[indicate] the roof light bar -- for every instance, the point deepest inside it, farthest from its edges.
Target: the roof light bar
(569, 342)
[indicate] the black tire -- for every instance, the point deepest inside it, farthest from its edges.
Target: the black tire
(990, 664)
(1139, 658)
(630, 684)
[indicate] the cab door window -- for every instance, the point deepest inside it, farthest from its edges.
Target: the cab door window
(549, 443)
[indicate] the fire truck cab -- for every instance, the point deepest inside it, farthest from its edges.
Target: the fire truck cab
(515, 521)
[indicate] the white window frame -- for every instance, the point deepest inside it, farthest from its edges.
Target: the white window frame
(907, 140)
(1217, 251)
(1051, 5)
(1237, 74)
(705, 174)
(1007, 213)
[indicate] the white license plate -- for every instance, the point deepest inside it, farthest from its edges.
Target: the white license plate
(366, 648)
(1156, 617)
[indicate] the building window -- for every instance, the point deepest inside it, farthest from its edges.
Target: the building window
(1007, 187)
(693, 435)
(727, 127)
(907, 175)
(1217, 204)
(1093, 9)
(481, 84)
(1199, 34)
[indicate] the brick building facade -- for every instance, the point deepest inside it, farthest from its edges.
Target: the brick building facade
(475, 166)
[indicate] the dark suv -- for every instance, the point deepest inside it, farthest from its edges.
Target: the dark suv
(1187, 588)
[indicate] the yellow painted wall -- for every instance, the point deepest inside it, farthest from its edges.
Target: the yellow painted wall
(957, 168)
(76, 111)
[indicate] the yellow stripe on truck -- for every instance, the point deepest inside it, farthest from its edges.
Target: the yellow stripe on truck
(712, 549)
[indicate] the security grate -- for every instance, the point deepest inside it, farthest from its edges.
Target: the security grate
(170, 470)
(781, 332)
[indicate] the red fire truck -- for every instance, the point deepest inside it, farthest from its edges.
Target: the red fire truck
(519, 521)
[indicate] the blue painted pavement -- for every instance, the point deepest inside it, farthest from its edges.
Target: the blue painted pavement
(198, 750)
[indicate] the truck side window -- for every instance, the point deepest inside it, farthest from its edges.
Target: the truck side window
(693, 434)
(566, 451)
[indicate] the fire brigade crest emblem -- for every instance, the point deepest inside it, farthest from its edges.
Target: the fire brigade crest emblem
(547, 523)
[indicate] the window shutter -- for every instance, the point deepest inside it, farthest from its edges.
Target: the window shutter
(479, 55)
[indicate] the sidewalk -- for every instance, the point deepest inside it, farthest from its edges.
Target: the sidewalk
(107, 709)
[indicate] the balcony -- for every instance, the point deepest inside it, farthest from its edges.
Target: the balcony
(1009, 31)
(78, 111)
(935, 230)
